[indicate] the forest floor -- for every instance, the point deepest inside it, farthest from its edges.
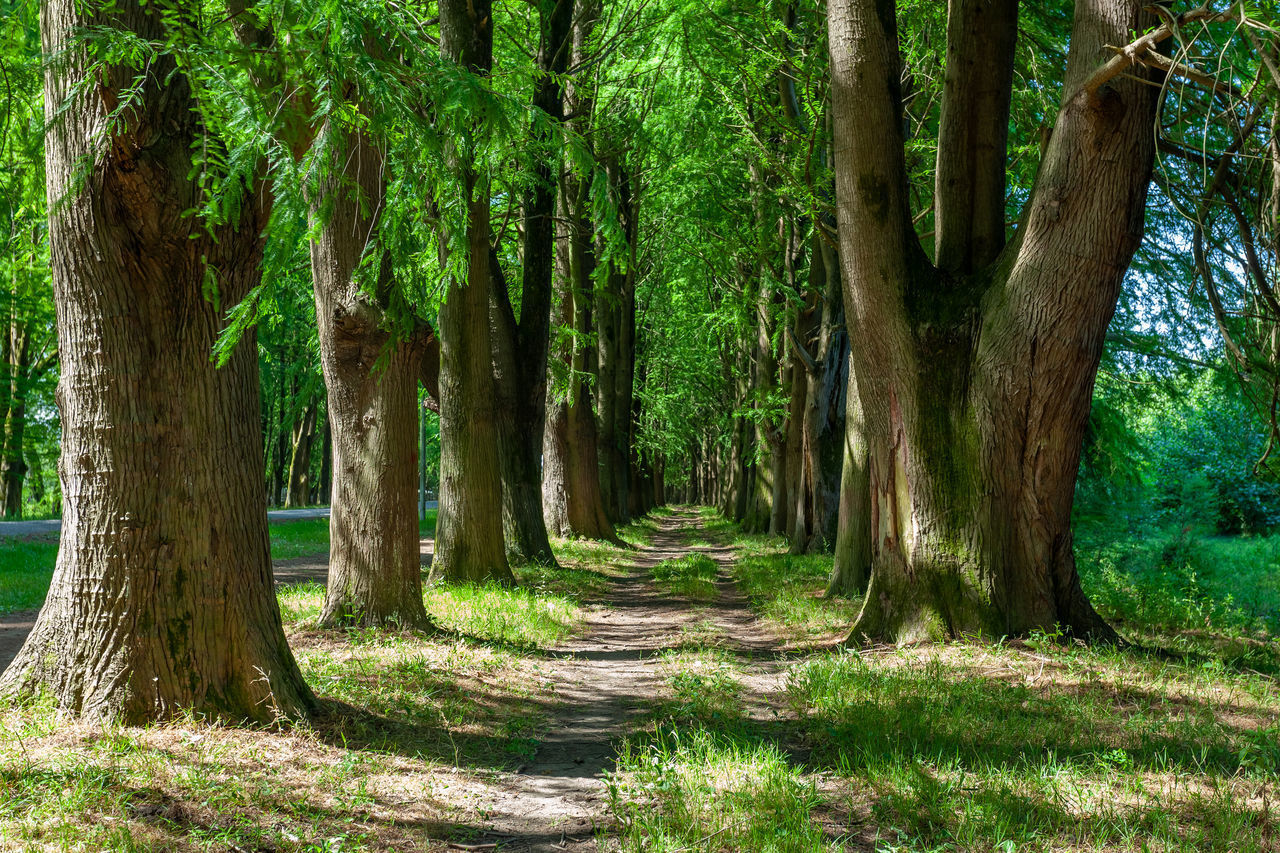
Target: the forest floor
(684, 692)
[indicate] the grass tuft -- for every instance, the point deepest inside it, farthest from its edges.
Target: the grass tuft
(692, 576)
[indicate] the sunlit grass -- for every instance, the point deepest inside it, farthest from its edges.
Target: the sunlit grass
(692, 576)
(26, 567)
(697, 790)
(974, 747)
(514, 616)
(787, 590)
(517, 617)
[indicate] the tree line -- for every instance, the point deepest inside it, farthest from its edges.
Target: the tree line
(846, 270)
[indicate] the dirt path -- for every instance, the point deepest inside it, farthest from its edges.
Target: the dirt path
(557, 802)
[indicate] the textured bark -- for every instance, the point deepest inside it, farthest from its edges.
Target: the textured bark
(469, 540)
(976, 387)
(521, 348)
(970, 174)
(162, 600)
(375, 578)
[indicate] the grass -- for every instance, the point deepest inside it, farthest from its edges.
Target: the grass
(411, 730)
(787, 590)
(968, 747)
(1216, 596)
(26, 565)
(692, 576)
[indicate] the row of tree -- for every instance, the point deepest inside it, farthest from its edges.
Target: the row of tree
(845, 269)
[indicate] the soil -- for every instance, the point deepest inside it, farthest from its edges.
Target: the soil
(604, 678)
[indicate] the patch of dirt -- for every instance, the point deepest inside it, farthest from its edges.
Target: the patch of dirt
(604, 679)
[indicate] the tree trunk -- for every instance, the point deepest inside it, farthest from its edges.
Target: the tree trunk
(13, 469)
(161, 601)
(304, 433)
(825, 402)
(469, 541)
(521, 349)
(375, 577)
(571, 498)
(976, 376)
(851, 567)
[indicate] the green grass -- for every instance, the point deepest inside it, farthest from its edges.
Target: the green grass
(26, 566)
(975, 747)
(518, 618)
(692, 576)
(1202, 595)
(787, 590)
(696, 790)
(1036, 746)
(701, 778)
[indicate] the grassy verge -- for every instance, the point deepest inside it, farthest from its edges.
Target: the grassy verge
(1034, 746)
(786, 591)
(26, 565)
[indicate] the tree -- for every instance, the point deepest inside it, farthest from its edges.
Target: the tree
(521, 346)
(28, 347)
(975, 369)
(371, 371)
(469, 540)
(572, 502)
(162, 597)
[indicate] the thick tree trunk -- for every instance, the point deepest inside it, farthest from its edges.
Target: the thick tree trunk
(976, 378)
(13, 469)
(374, 574)
(469, 540)
(162, 599)
(521, 349)
(304, 434)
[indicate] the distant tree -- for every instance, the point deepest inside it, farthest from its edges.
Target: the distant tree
(469, 538)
